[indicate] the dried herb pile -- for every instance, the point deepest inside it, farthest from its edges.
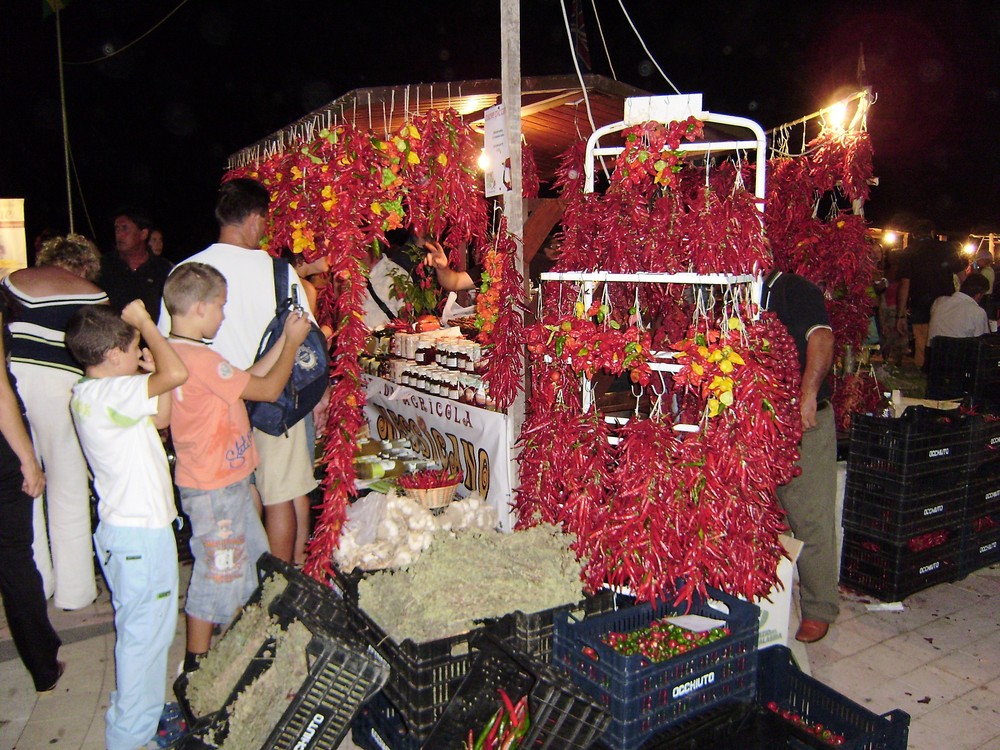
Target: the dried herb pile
(472, 576)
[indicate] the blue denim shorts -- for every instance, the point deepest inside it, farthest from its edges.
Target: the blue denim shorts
(227, 537)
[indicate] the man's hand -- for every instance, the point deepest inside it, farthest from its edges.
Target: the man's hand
(901, 327)
(436, 256)
(808, 411)
(297, 327)
(135, 314)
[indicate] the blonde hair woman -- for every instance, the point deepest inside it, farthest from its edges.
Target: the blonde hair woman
(41, 300)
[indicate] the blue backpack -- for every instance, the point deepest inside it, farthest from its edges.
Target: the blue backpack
(310, 373)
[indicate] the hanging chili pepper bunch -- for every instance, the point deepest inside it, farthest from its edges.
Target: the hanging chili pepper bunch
(739, 379)
(636, 546)
(856, 393)
(842, 160)
(529, 172)
(722, 231)
(350, 227)
(502, 337)
(443, 195)
(835, 253)
(589, 342)
(565, 460)
(651, 150)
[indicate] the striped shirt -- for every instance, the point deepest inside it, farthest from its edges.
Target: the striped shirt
(38, 325)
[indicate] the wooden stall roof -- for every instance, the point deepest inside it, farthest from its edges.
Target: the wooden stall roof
(553, 112)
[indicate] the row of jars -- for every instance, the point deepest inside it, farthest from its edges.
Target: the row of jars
(451, 352)
(466, 388)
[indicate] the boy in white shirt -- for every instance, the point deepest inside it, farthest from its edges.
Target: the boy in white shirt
(117, 410)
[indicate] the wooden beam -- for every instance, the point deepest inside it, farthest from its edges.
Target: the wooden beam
(543, 214)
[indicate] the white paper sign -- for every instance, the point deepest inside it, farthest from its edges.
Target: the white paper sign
(497, 151)
(450, 433)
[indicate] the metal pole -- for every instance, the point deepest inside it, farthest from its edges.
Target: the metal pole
(65, 122)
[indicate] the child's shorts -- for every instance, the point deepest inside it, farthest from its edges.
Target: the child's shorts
(227, 537)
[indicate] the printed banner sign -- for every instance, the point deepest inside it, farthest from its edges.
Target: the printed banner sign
(497, 152)
(13, 245)
(450, 433)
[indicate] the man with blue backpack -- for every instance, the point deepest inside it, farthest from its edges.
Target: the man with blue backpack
(285, 475)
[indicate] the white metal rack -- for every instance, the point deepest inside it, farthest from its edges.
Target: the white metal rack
(668, 109)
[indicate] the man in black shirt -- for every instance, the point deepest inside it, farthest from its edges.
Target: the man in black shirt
(926, 272)
(810, 498)
(132, 271)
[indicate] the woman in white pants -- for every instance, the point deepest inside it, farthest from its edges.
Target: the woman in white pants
(41, 300)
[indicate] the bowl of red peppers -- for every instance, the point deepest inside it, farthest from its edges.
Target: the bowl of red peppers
(432, 488)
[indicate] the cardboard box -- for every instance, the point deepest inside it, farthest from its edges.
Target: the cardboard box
(901, 402)
(775, 615)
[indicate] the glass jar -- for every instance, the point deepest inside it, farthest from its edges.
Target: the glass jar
(425, 351)
(453, 386)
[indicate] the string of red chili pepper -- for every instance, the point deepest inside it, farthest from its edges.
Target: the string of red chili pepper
(855, 393)
(564, 459)
(504, 363)
(529, 172)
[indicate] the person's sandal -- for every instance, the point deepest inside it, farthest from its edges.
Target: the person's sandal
(172, 726)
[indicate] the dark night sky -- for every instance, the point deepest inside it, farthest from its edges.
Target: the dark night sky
(154, 124)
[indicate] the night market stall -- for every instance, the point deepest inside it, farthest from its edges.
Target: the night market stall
(665, 517)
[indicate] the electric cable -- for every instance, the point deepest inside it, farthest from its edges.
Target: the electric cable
(645, 48)
(576, 64)
(604, 42)
(133, 42)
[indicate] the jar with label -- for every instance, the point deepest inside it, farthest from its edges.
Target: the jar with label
(433, 382)
(461, 356)
(425, 351)
(416, 379)
(451, 356)
(453, 387)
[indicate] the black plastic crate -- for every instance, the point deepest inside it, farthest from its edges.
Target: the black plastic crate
(865, 482)
(346, 583)
(379, 726)
(892, 572)
(982, 496)
(964, 367)
(923, 442)
(984, 445)
(319, 607)
(532, 633)
(303, 599)
(753, 726)
(951, 367)
(897, 519)
(980, 543)
(319, 714)
(645, 698)
(561, 715)
(423, 676)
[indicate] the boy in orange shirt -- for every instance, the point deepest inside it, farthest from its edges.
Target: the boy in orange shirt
(215, 451)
